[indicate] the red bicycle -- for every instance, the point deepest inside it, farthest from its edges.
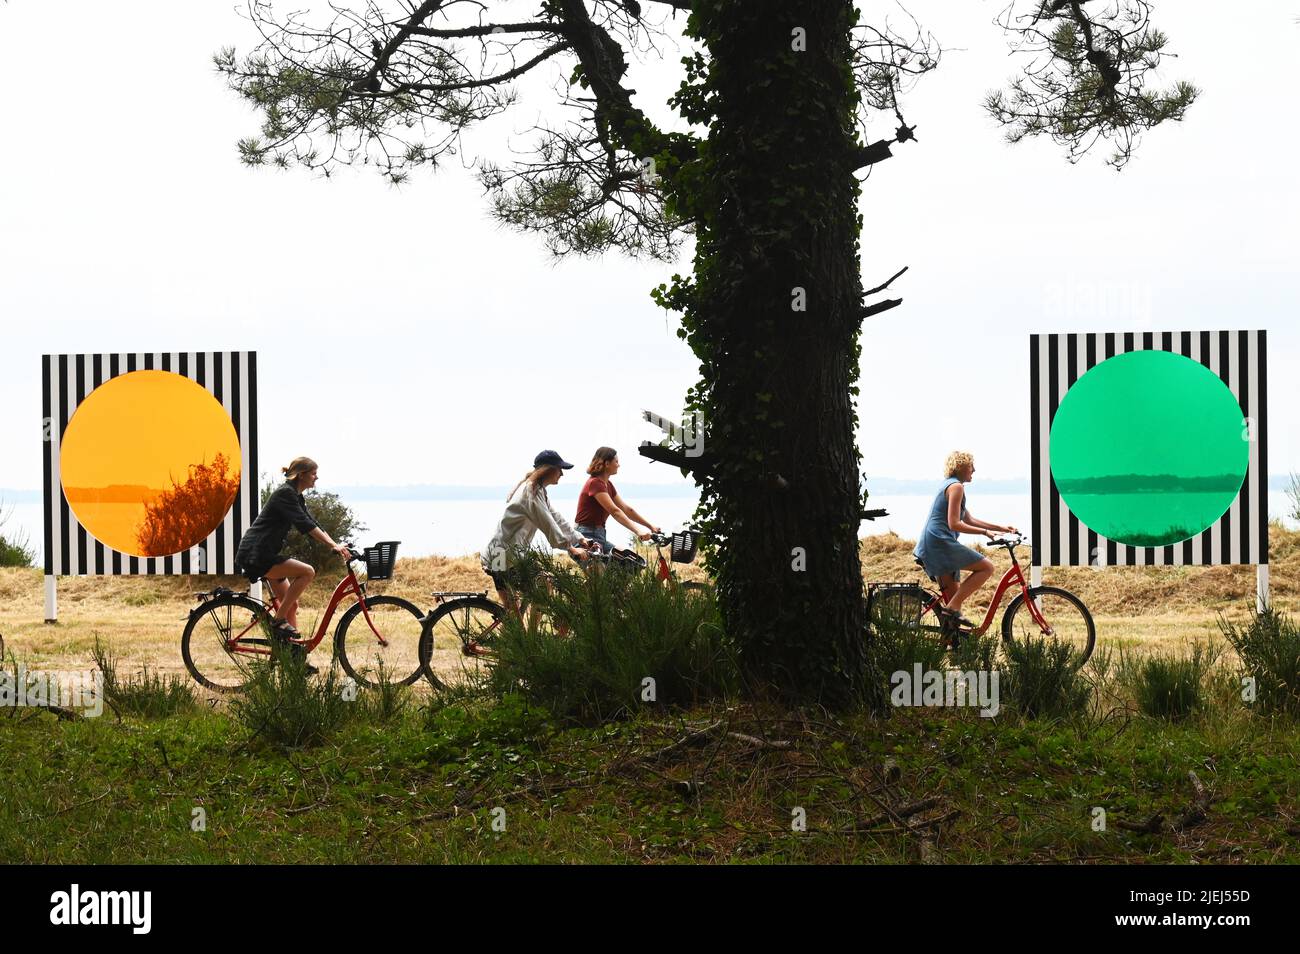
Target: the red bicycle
(1036, 612)
(466, 624)
(228, 630)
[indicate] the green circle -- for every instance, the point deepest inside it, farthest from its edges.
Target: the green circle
(1149, 448)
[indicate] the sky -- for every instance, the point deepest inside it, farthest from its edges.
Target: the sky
(404, 338)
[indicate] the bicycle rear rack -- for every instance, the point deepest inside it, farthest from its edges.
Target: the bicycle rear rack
(441, 596)
(874, 588)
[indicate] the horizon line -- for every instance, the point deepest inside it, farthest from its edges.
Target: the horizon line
(683, 488)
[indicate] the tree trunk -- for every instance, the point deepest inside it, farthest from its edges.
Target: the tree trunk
(778, 294)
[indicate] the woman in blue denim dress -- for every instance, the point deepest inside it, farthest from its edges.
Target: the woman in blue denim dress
(938, 549)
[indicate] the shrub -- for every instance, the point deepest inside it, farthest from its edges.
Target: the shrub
(622, 629)
(1168, 687)
(150, 695)
(1269, 647)
(285, 705)
(896, 645)
(335, 518)
(15, 550)
(1293, 494)
(385, 702)
(1041, 680)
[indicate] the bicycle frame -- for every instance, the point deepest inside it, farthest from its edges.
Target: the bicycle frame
(1013, 577)
(347, 587)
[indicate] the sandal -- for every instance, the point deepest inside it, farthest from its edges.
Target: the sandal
(954, 618)
(283, 629)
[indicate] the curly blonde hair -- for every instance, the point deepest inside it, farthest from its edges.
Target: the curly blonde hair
(956, 461)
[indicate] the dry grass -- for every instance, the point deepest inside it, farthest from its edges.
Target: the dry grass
(142, 617)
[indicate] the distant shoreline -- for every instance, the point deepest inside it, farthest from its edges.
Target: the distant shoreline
(879, 487)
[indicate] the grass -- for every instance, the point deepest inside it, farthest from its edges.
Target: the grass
(396, 777)
(713, 784)
(151, 695)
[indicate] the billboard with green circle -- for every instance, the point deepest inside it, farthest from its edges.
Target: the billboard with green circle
(1148, 448)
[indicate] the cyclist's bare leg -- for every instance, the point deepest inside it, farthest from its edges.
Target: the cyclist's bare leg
(298, 576)
(280, 588)
(977, 574)
(508, 600)
(947, 586)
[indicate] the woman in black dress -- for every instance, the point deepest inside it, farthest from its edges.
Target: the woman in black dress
(259, 554)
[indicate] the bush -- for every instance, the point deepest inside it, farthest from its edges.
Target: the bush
(622, 629)
(896, 645)
(335, 518)
(285, 705)
(150, 695)
(1168, 687)
(14, 550)
(384, 703)
(899, 637)
(1293, 493)
(1269, 647)
(1041, 680)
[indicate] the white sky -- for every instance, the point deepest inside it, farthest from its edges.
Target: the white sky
(404, 338)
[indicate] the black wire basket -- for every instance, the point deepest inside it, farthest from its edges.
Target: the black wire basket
(685, 543)
(380, 560)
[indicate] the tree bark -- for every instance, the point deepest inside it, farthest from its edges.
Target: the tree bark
(780, 381)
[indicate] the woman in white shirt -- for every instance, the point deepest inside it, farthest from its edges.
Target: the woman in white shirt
(528, 511)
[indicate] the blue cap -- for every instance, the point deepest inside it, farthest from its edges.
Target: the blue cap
(548, 458)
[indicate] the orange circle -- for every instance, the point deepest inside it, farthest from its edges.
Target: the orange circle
(150, 463)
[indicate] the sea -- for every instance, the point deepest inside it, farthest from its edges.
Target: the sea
(463, 525)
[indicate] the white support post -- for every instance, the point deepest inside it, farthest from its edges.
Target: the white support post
(255, 590)
(1261, 587)
(51, 599)
(1035, 576)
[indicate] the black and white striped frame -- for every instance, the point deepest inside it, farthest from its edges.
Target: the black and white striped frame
(66, 380)
(1239, 359)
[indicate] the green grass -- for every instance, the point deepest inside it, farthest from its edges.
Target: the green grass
(422, 786)
(152, 695)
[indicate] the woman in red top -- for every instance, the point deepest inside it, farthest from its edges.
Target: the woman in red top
(598, 501)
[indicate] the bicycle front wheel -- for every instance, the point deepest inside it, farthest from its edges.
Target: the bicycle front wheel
(1061, 616)
(382, 642)
(222, 638)
(458, 639)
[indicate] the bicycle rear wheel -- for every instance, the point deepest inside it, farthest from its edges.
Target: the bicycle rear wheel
(222, 638)
(1064, 618)
(457, 640)
(904, 608)
(397, 659)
